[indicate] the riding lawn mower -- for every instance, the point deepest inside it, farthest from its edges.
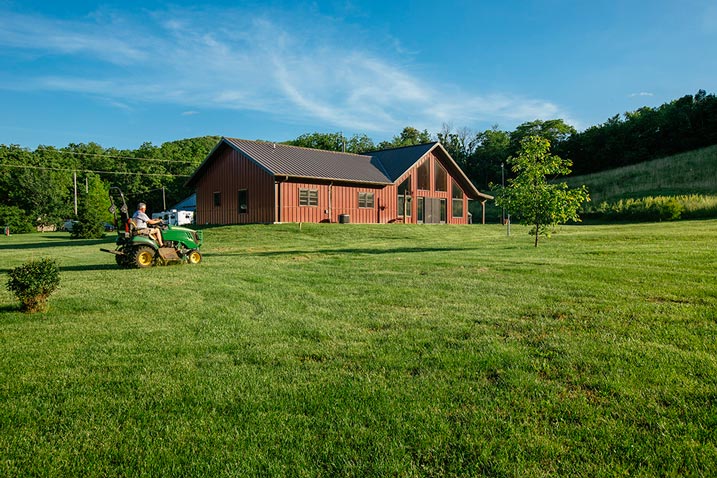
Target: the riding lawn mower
(136, 250)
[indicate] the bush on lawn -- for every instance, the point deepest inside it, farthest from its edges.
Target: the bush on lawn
(33, 282)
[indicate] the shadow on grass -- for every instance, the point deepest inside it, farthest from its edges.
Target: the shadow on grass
(64, 243)
(89, 267)
(10, 308)
(371, 251)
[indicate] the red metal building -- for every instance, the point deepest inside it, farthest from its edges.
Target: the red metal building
(244, 181)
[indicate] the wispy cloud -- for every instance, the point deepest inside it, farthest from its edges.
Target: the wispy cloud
(252, 61)
(642, 93)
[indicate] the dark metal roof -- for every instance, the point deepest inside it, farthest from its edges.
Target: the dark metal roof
(378, 167)
(397, 161)
(297, 162)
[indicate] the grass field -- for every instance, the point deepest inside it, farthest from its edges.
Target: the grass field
(349, 350)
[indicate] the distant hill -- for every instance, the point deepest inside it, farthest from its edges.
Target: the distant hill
(683, 186)
(694, 172)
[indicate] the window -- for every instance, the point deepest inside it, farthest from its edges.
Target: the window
(443, 210)
(217, 199)
(406, 205)
(308, 197)
(420, 206)
(457, 194)
(242, 207)
(404, 198)
(424, 175)
(365, 200)
(441, 177)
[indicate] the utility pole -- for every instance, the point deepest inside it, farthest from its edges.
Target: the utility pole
(74, 180)
(502, 185)
(164, 200)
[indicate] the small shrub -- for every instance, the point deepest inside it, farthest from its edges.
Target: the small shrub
(33, 282)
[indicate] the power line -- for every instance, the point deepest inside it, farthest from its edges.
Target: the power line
(112, 156)
(45, 168)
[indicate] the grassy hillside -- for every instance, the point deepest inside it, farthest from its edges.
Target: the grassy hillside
(694, 172)
(350, 350)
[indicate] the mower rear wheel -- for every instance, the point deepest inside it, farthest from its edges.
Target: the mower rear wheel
(194, 257)
(143, 257)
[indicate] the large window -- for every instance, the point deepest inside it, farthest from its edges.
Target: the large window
(242, 206)
(308, 197)
(457, 194)
(424, 175)
(217, 199)
(404, 198)
(441, 178)
(365, 200)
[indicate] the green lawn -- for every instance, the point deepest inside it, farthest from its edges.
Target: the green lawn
(349, 350)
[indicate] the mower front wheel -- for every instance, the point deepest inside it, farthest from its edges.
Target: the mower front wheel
(143, 257)
(194, 257)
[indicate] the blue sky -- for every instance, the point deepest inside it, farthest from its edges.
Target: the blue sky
(121, 73)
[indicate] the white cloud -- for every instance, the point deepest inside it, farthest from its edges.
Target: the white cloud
(642, 93)
(250, 61)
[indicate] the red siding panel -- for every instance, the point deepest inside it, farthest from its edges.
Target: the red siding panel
(229, 173)
(428, 193)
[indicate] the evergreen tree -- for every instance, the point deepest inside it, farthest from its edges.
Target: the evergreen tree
(92, 212)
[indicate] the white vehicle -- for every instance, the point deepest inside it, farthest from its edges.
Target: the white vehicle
(174, 217)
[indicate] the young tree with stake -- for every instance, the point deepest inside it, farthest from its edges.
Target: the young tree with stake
(532, 197)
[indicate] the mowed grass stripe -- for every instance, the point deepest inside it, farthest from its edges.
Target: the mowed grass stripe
(350, 350)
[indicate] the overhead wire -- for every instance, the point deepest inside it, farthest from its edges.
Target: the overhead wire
(112, 156)
(47, 168)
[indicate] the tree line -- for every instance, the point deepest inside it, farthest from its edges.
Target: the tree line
(37, 187)
(648, 133)
(44, 187)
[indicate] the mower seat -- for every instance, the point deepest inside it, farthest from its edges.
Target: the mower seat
(131, 227)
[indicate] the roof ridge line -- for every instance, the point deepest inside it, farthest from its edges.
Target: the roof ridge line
(363, 155)
(402, 147)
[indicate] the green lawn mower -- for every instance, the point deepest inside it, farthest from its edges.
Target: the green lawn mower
(139, 251)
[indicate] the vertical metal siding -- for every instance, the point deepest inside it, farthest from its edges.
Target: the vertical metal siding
(432, 193)
(344, 200)
(229, 173)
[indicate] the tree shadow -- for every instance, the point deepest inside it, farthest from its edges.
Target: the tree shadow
(368, 251)
(64, 243)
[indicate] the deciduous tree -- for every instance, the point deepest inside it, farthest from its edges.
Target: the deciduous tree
(533, 196)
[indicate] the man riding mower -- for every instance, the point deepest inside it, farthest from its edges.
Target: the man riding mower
(136, 247)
